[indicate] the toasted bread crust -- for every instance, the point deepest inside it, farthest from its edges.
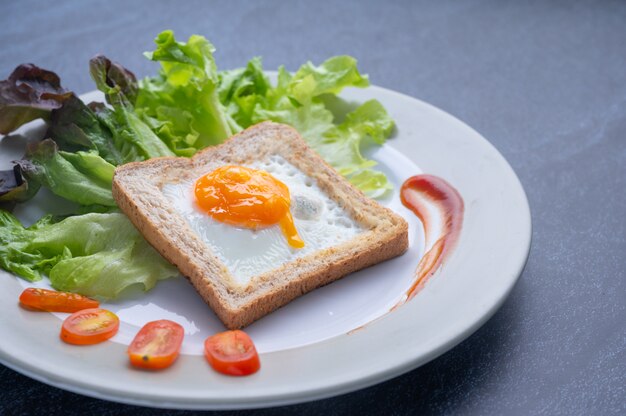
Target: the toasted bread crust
(137, 190)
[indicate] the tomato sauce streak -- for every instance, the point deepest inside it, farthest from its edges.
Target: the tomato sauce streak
(418, 193)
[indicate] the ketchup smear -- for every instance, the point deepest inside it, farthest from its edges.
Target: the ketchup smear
(425, 195)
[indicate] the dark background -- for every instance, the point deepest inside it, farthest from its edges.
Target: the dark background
(545, 82)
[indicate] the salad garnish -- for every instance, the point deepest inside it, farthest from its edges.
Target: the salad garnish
(157, 345)
(45, 300)
(232, 353)
(186, 107)
(89, 326)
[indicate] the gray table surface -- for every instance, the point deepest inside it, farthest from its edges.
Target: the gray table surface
(545, 82)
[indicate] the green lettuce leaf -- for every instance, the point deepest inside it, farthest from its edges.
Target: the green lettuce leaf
(175, 127)
(330, 77)
(341, 147)
(82, 177)
(75, 126)
(134, 139)
(117, 134)
(241, 89)
(130, 134)
(96, 255)
(301, 101)
(13, 241)
(184, 98)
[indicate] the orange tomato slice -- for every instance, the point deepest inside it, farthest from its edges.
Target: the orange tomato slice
(53, 301)
(156, 345)
(232, 353)
(89, 326)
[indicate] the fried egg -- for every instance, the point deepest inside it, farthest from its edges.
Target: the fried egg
(247, 197)
(260, 216)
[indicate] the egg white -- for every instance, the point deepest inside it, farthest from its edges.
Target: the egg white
(246, 253)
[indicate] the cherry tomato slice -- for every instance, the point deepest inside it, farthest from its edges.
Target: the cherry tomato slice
(232, 353)
(53, 301)
(89, 326)
(156, 345)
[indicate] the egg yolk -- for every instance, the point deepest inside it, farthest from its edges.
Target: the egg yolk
(249, 198)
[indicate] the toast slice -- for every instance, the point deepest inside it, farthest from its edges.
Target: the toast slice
(138, 189)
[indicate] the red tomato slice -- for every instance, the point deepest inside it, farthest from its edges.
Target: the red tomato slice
(53, 301)
(232, 353)
(156, 345)
(89, 326)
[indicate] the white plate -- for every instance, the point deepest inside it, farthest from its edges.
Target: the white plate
(307, 348)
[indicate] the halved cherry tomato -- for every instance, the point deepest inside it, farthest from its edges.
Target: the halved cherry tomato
(89, 326)
(53, 301)
(156, 345)
(232, 353)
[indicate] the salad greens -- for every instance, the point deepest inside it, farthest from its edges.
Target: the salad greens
(184, 98)
(191, 105)
(76, 126)
(186, 107)
(130, 135)
(93, 254)
(82, 177)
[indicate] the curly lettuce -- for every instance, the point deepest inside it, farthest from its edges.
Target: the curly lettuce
(183, 101)
(129, 134)
(81, 177)
(300, 100)
(190, 105)
(97, 255)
